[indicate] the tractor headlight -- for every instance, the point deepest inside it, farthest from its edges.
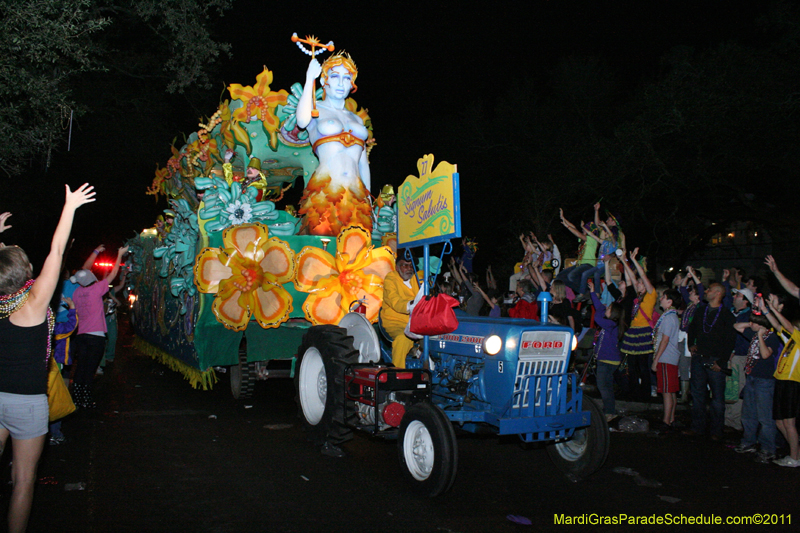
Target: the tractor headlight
(574, 342)
(492, 345)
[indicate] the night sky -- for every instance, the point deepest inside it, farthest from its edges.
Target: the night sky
(420, 66)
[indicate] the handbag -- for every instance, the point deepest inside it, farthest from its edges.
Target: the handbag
(434, 315)
(58, 396)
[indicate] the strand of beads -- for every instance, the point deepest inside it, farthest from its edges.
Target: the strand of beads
(11, 303)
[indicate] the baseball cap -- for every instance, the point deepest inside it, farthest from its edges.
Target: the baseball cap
(84, 278)
(747, 293)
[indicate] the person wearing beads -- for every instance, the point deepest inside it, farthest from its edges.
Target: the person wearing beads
(691, 298)
(90, 343)
(711, 338)
(25, 326)
(667, 355)
(637, 344)
(758, 392)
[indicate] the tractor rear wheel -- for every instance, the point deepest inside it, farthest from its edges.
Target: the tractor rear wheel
(319, 381)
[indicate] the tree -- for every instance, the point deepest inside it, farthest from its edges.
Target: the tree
(46, 46)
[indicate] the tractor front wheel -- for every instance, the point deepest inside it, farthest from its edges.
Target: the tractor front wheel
(427, 449)
(586, 451)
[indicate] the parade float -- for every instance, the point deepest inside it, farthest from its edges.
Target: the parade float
(232, 276)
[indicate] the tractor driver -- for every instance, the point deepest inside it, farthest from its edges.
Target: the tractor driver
(399, 290)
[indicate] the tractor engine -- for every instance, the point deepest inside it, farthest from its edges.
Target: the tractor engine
(459, 375)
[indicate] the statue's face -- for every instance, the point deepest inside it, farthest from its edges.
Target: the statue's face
(339, 82)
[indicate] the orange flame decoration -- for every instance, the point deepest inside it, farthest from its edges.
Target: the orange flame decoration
(333, 283)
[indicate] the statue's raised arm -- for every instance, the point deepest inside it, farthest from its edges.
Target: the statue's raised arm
(306, 103)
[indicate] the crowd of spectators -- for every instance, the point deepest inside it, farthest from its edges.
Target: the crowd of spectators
(722, 345)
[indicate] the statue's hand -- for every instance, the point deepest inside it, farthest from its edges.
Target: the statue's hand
(314, 70)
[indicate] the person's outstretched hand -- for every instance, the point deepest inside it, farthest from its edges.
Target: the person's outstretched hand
(82, 195)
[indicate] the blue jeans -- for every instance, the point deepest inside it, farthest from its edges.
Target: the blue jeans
(702, 377)
(598, 272)
(605, 384)
(572, 276)
(757, 410)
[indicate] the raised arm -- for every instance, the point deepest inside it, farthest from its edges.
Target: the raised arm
(790, 287)
(485, 297)
(42, 290)
(539, 280)
(630, 277)
(597, 214)
(305, 105)
(775, 317)
(87, 265)
(456, 273)
(490, 281)
(640, 270)
(113, 274)
(570, 226)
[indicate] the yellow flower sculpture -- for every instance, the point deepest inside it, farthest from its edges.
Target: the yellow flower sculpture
(260, 102)
(356, 273)
(247, 275)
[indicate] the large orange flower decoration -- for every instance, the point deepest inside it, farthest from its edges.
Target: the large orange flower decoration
(247, 275)
(258, 101)
(356, 273)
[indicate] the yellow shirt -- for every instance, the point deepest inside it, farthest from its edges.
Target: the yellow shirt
(789, 362)
(647, 306)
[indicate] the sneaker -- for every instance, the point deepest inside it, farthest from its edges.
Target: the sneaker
(55, 440)
(765, 457)
(745, 448)
(99, 371)
(787, 461)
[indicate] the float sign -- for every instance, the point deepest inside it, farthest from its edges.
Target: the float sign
(428, 206)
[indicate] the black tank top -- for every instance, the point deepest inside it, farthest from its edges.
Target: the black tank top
(23, 369)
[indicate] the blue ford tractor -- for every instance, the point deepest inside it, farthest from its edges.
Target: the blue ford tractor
(507, 375)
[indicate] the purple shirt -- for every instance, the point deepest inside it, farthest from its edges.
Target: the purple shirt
(608, 343)
(89, 305)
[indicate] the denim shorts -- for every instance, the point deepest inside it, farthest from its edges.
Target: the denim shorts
(25, 416)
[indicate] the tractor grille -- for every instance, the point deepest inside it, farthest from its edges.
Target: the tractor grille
(541, 367)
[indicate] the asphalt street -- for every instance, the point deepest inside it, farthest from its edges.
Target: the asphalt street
(158, 456)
